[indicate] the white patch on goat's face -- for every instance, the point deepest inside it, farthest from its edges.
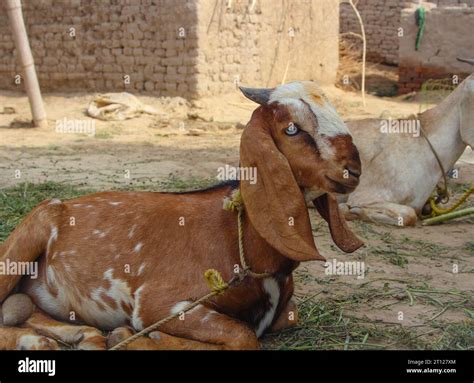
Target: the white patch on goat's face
(304, 95)
(271, 287)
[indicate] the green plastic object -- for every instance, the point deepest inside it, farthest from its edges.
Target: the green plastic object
(420, 16)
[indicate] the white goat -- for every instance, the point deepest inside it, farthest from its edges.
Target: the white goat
(400, 171)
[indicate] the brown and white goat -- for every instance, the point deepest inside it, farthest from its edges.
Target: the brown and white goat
(400, 170)
(132, 258)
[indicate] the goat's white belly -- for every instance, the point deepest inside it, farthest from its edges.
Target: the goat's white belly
(85, 304)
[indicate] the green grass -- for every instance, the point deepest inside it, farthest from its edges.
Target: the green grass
(324, 325)
(329, 323)
(469, 246)
(109, 132)
(331, 320)
(17, 202)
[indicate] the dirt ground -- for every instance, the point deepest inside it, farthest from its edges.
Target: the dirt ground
(409, 282)
(184, 140)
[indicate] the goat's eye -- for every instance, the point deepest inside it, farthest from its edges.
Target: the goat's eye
(292, 129)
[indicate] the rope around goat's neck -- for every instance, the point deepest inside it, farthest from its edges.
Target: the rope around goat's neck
(444, 194)
(236, 203)
(213, 277)
(246, 269)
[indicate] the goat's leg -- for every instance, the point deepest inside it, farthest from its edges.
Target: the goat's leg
(288, 315)
(29, 240)
(287, 318)
(14, 338)
(156, 340)
(82, 337)
(204, 328)
(381, 212)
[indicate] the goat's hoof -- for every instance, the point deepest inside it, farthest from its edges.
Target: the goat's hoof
(118, 335)
(36, 342)
(90, 338)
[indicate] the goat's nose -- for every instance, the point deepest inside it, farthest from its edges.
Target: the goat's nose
(353, 170)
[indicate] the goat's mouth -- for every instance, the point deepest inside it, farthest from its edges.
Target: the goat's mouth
(342, 187)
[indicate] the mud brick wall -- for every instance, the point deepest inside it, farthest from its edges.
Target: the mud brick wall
(444, 39)
(173, 47)
(113, 39)
(271, 42)
(381, 20)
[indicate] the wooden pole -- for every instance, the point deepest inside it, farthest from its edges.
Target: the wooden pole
(364, 48)
(26, 58)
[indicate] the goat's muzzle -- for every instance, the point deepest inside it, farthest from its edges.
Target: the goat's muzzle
(344, 177)
(345, 184)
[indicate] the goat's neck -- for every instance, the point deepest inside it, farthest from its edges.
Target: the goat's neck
(442, 127)
(261, 257)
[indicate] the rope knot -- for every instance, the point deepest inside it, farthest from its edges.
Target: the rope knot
(215, 281)
(234, 202)
(437, 211)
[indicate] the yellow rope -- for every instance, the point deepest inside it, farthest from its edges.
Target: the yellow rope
(235, 203)
(246, 268)
(215, 281)
(213, 277)
(436, 211)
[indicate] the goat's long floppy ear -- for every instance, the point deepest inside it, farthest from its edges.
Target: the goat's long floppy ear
(467, 114)
(274, 203)
(341, 234)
